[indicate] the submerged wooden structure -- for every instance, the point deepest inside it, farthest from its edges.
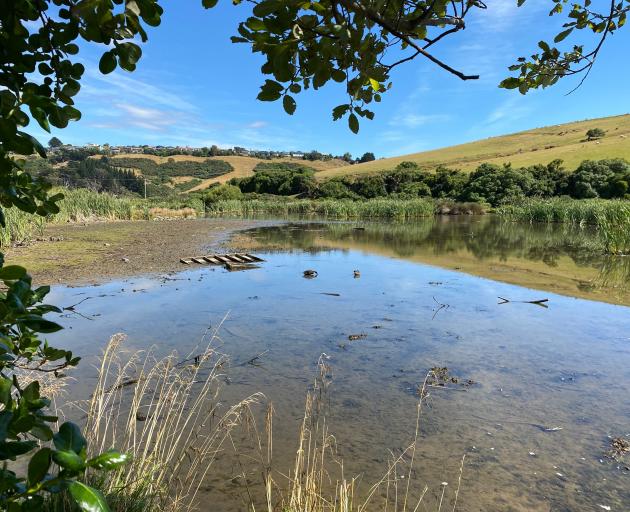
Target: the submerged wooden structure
(234, 261)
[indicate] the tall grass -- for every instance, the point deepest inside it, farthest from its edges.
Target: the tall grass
(328, 208)
(83, 205)
(610, 217)
(317, 482)
(168, 416)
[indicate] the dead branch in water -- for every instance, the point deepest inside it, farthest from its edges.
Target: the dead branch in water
(440, 307)
(540, 302)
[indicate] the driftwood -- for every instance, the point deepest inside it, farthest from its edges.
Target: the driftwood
(439, 308)
(540, 302)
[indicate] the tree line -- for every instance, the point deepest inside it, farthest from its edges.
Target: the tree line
(489, 183)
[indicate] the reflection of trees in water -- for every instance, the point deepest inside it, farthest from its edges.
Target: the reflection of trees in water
(484, 237)
(613, 273)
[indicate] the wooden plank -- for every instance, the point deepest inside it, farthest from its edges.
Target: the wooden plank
(255, 258)
(222, 259)
(244, 257)
(201, 261)
(239, 266)
(212, 259)
(186, 261)
(239, 258)
(234, 258)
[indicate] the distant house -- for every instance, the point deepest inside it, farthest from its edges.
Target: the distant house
(241, 151)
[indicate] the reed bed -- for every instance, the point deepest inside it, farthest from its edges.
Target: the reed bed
(83, 205)
(610, 217)
(327, 208)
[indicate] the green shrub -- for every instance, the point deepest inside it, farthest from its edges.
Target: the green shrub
(222, 193)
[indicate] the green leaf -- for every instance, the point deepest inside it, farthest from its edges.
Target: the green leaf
(338, 75)
(69, 460)
(353, 123)
(270, 91)
(13, 449)
(12, 272)
(289, 105)
(38, 324)
(35, 143)
(266, 7)
(108, 460)
(562, 35)
(209, 4)
(339, 111)
(69, 437)
(87, 498)
(38, 466)
(5, 398)
(5, 420)
(107, 64)
(510, 83)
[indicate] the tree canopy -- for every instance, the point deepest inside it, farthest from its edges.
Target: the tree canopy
(359, 42)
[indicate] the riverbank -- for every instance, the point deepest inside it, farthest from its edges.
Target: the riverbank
(86, 253)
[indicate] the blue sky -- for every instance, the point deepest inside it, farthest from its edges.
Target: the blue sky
(194, 87)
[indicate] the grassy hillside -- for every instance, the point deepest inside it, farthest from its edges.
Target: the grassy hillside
(542, 145)
(243, 165)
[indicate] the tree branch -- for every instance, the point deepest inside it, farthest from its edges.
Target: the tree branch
(387, 25)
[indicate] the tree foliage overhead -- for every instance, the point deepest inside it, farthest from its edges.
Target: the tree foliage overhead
(551, 63)
(358, 43)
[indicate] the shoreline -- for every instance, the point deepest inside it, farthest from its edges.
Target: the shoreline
(92, 253)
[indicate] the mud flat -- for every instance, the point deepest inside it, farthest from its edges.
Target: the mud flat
(96, 252)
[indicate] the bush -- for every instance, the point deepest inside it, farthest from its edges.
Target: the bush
(367, 157)
(283, 179)
(497, 185)
(335, 189)
(222, 193)
(371, 187)
(596, 179)
(595, 133)
(549, 180)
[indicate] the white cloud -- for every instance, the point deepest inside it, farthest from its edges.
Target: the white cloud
(148, 118)
(132, 89)
(510, 109)
(411, 120)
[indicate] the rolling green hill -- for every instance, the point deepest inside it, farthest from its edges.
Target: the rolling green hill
(541, 145)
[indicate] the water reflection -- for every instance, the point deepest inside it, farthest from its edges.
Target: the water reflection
(558, 258)
(566, 366)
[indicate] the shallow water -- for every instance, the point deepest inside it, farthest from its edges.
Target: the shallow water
(563, 366)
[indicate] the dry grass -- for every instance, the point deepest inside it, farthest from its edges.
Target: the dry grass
(166, 414)
(170, 213)
(317, 482)
(538, 146)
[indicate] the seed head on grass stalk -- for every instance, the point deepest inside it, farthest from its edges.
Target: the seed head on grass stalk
(317, 483)
(166, 415)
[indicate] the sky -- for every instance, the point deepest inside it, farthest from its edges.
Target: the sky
(193, 87)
